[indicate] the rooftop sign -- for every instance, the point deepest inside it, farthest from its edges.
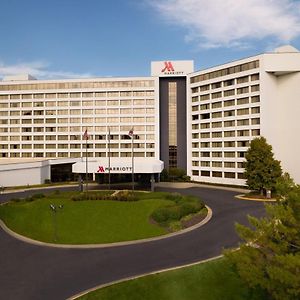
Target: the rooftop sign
(170, 68)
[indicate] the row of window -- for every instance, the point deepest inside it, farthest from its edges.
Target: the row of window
(230, 123)
(225, 83)
(219, 174)
(75, 137)
(84, 103)
(227, 113)
(219, 164)
(238, 154)
(220, 144)
(226, 71)
(228, 93)
(225, 134)
(78, 146)
(78, 85)
(73, 154)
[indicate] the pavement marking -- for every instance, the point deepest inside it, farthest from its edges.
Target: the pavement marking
(101, 286)
(117, 244)
(242, 197)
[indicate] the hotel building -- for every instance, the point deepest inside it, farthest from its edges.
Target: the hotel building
(201, 121)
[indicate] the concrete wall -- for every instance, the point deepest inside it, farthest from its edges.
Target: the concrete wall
(24, 173)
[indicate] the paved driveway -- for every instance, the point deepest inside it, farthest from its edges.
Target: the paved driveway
(34, 272)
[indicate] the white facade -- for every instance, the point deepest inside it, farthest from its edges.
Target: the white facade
(229, 105)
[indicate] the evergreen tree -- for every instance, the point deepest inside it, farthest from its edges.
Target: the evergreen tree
(261, 169)
(270, 256)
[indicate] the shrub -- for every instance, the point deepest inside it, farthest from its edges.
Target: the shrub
(183, 206)
(124, 196)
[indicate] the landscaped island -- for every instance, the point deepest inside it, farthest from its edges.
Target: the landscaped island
(100, 217)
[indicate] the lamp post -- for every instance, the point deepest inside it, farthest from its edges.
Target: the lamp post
(54, 209)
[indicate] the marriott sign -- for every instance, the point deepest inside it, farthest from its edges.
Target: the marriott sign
(172, 68)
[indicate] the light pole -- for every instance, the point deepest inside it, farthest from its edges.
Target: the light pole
(54, 209)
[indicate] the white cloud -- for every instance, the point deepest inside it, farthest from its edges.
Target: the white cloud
(233, 23)
(37, 69)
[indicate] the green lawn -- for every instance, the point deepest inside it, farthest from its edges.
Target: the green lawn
(83, 222)
(214, 280)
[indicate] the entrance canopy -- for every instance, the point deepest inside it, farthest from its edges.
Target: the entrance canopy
(119, 165)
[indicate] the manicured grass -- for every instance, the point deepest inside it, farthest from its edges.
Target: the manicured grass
(214, 280)
(84, 222)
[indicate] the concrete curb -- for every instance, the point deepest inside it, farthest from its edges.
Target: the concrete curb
(117, 244)
(242, 197)
(140, 276)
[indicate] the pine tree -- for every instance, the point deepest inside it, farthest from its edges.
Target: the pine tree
(269, 258)
(261, 169)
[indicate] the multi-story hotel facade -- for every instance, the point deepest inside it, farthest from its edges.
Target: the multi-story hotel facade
(231, 104)
(201, 121)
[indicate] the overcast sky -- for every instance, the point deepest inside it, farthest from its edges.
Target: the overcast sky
(95, 38)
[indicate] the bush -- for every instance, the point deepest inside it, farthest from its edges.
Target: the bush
(47, 181)
(124, 196)
(183, 206)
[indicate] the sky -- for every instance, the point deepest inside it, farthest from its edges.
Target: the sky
(55, 39)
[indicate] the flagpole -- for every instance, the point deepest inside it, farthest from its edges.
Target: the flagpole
(109, 158)
(86, 167)
(86, 161)
(132, 156)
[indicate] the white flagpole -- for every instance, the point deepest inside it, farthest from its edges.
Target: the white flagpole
(86, 163)
(109, 158)
(132, 156)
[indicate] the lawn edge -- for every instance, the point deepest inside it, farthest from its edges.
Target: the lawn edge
(243, 197)
(108, 245)
(101, 286)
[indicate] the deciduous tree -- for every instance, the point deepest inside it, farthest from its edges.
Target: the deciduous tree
(261, 168)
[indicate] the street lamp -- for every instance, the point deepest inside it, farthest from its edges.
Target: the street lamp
(54, 209)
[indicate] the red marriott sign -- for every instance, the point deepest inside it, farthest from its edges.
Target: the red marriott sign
(168, 67)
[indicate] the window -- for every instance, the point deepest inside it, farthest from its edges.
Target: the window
(255, 88)
(241, 101)
(216, 134)
(243, 133)
(229, 93)
(255, 110)
(204, 97)
(243, 90)
(205, 173)
(229, 144)
(217, 114)
(229, 103)
(229, 175)
(242, 79)
(216, 95)
(205, 163)
(204, 116)
(243, 111)
(216, 124)
(216, 174)
(243, 122)
(229, 123)
(228, 164)
(229, 113)
(217, 164)
(216, 105)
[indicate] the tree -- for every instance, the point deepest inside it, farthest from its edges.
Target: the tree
(269, 258)
(261, 169)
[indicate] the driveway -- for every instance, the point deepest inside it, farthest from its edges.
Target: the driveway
(35, 272)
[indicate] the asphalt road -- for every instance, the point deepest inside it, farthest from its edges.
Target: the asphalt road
(34, 272)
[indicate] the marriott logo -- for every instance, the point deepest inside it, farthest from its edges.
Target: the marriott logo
(168, 67)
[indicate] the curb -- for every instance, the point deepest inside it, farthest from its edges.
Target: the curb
(94, 246)
(140, 276)
(242, 197)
